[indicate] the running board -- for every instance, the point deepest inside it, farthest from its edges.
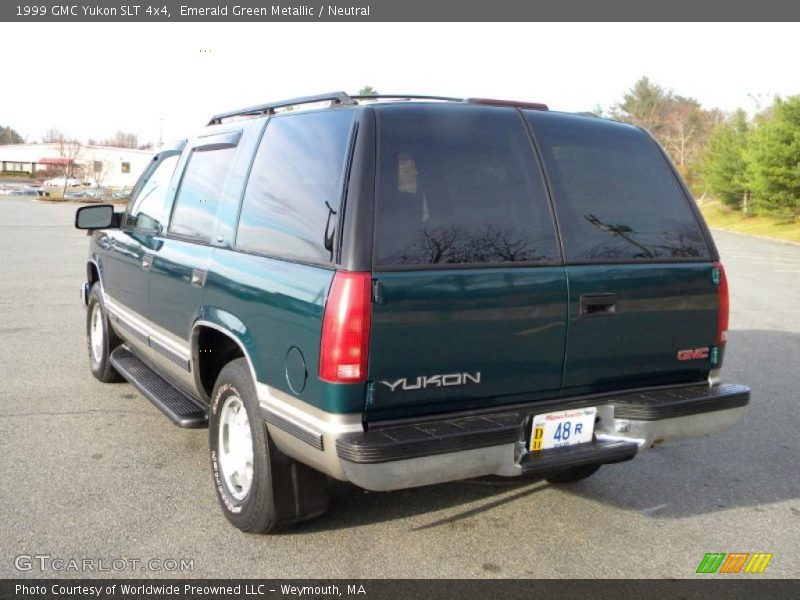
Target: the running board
(182, 409)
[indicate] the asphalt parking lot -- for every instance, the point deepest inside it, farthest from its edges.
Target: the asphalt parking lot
(92, 470)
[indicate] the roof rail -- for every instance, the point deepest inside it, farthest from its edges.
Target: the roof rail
(335, 98)
(487, 101)
(407, 97)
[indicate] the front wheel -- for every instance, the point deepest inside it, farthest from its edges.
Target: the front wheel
(259, 488)
(101, 339)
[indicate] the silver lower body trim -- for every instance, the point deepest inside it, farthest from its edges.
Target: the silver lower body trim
(286, 416)
(428, 470)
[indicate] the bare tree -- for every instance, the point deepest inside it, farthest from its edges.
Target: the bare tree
(52, 136)
(683, 130)
(122, 139)
(100, 170)
(69, 150)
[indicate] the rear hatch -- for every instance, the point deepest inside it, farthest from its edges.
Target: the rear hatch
(473, 306)
(469, 305)
(642, 284)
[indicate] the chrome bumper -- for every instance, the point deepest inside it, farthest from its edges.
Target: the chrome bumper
(496, 442)
(505, 460)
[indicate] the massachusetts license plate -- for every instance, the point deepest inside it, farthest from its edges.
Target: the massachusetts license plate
(562, 428)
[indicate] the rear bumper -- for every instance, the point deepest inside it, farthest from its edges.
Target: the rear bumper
(421, 452)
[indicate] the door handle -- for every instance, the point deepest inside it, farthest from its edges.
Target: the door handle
(198, 278)
(147, 262)
(598, 304)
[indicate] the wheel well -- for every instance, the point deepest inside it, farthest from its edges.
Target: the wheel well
(91, 273)
(214, 350)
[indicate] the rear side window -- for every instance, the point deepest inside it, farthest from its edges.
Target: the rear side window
(200, 192)
(458, 186)
(615, 195)
(292, 198)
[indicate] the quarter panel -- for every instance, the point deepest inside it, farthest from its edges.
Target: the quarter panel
(276, 305)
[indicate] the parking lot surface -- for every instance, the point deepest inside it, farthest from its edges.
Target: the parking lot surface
(94, 471)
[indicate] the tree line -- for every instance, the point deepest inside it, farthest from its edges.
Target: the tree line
(121, 139)
(750, 165)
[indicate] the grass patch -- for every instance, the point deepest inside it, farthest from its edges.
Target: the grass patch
(771, 227)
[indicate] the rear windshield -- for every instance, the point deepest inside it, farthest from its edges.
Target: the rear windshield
(616, 197)
(459, 186)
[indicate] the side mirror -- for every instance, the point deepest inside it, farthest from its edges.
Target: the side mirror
(100, 216)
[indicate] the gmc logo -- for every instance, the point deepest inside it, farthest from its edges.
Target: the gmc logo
(696, 354)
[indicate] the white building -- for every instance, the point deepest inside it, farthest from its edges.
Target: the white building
(100, 165)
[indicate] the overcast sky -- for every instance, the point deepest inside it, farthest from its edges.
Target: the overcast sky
(90, 80)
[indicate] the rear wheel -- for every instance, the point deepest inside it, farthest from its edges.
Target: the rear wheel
(259, 488)
(101, 339)
(572, 475)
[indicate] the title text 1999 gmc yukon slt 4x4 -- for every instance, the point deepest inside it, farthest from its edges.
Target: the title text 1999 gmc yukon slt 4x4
(402, 291)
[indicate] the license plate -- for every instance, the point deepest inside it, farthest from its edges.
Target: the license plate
(562, 428)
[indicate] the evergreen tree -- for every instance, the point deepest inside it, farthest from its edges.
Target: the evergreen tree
(723, 166)
(9, 136)
(773, 160)
(645, 104)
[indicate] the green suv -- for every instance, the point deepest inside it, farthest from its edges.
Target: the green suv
(402, 291)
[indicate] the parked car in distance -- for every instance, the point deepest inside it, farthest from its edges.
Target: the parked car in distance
(407, 292)
(120, 195)
(26, 192)
(61, 181)
(82, 195)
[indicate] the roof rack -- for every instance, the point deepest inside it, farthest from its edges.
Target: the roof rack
(344, 99)
(486, 101)
(407, 97)
(335, 98)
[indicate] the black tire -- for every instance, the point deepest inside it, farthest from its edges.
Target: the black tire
(99, 361)
(572, 475)
(282, 491)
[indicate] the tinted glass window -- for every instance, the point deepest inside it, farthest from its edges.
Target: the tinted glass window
(147, 208)
(459, 185)
(292, 197)
(616, 197)
(200, 192)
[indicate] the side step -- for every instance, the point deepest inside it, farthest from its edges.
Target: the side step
(182, 409)
(556, 459)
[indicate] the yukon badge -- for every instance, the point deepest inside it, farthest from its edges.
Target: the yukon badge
(426, 381)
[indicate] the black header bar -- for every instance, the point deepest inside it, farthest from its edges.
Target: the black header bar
(33, 11)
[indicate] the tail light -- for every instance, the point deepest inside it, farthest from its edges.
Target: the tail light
(724, 303)
(345, 329)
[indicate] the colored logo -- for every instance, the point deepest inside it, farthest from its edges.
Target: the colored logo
(693, 354)
(734, 562)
